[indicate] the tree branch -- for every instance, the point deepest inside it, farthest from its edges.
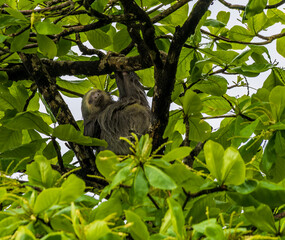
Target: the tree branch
(148, 30)
(104, 66)
(241, 7)
(269, 39)
(47, 87)
(165, 79)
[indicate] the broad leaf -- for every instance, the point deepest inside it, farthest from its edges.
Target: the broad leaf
(158, 179)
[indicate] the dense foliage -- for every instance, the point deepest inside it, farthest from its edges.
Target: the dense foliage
(185, 179)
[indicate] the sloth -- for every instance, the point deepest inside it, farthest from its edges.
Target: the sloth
(109, 120)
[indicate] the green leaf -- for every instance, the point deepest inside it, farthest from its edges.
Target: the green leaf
(269, 193)
(16, 14)
(227, 166)
(280, 42)
(24, 150)
(191, 103)
(239, 33)
(47, 46)
(40, 173)
(221, 57)
(215, 106)
(63, 47)
(190, 181)
(158, 178)
(138, 228)
(254, 7)
(28, 120)
(214, 23)
(111, 206)
(262, 218)
(47, 28)
(177, 218)
(96, 230)
(121, 176)
(121, 40)
(211, 229)
(68, 133)
(233, 170)
(256, 67)
(9, 139)
(72, 188)
(214, 85)
(7, 100)
(200, 205)
(199, 130)
(214, 153)
(140, 186)
(277, 102)
(98, 39)
(46, 199)
(177, 153)
(99, 5)
(24, 233)
(223, 16)
(20, 41)
(106, 162)
(3, 38)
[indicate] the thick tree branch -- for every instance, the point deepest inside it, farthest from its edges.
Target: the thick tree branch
(148, 30)
(165, 79)
(104, 66)
(47, 87)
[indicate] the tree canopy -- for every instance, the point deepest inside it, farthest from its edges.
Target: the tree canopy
(185, 179)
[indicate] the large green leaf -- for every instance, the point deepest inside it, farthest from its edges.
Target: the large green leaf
(96, 230)
(46, 46)
(98, 39)
(214, 153)
(233, 170)
(191, 103)
(68, 133)
(262, 218)
(99, 5)
(121, 40)
(47, 28)
(215, 105)
(28, 120)
(138, 228)
(158, 179)
(226, 166)
(9, 139)
(20, 41)
(254, 7)
(140, 186)
(177, 218)
(46, 199)
(7, 100)
(199, 130)
(214, 85)
(211, 229)
(239, 33)
(277, 102)
(177, 153)
(280, 45)
(72, 188)
(106, 162)
(40, 173)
